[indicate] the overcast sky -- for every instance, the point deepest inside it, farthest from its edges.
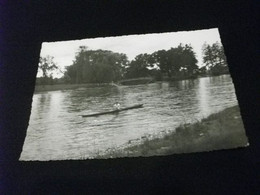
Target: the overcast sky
(131, 45)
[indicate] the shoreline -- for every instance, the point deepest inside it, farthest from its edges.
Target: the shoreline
(57, 87)
(126, 82)
(222, 130)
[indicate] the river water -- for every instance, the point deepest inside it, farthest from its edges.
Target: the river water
(57, 131)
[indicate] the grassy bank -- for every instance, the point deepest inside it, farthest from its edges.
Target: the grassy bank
(222, 130)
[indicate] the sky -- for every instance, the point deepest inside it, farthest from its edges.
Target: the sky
(131, 45)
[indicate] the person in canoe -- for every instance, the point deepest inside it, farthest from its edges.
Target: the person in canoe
(116, 111)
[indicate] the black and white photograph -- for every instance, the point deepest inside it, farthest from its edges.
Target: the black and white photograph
(133, 95)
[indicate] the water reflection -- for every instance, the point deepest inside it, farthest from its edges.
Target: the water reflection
(57, 131)
(185, 84)
(203, 95)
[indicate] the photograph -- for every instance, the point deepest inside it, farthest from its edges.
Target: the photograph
(134, 95)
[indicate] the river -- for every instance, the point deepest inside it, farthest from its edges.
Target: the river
(57, 131)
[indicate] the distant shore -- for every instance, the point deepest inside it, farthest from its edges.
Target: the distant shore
(133, 81)
(56, 87)
(223, 130)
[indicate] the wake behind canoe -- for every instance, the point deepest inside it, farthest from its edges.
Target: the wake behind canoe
(114, 111)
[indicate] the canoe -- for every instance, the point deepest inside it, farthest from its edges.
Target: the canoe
(114, 111)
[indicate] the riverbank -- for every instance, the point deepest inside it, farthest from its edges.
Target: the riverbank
(223, 130)
(44, 88)
(134, 81)
(55, 87)
(137, 81)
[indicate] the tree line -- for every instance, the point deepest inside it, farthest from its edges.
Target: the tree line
(104, 66)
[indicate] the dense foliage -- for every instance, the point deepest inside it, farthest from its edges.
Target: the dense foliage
(97, 66)
(103, 66)
(46, 66)
(214, 59)
(177, 62)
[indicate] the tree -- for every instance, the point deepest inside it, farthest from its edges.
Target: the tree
(97, 66)
(188, 62)
(214, 58)
(161, 60)
(176, 62)
(70, 74)
(47, 65)
(78, 63)
(139, 67)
